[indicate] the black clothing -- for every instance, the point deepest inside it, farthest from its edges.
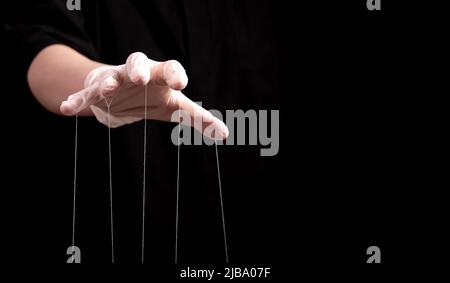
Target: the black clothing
(229, 49)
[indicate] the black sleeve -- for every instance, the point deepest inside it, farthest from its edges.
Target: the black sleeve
(33, 25)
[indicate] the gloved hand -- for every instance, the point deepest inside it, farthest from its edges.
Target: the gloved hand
(123, 87)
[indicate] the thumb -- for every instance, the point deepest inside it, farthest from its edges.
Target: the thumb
(210, 126)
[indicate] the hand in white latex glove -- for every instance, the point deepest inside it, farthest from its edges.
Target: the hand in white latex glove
(124, 86)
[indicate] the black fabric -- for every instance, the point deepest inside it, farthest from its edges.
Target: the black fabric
(229, 50)
(354, 167)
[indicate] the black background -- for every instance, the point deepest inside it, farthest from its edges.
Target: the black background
(355, 168)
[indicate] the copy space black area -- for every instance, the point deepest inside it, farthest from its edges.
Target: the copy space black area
(351, 171)
(364, 171)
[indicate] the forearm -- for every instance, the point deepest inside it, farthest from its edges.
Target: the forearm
(57, 72)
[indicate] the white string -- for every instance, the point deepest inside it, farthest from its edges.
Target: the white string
(143, 185)
(178, 193)
(144, 177)
(178, 188)
(221, 204)
(75, 181)
(110, 180)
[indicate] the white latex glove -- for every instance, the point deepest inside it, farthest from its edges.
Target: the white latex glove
(124, 87)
